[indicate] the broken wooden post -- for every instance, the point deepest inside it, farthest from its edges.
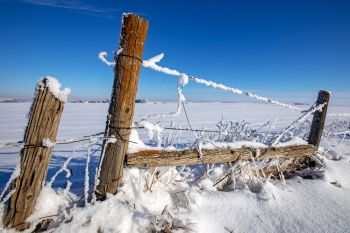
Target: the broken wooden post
(319, 119)
(122, 105)
(44, 119)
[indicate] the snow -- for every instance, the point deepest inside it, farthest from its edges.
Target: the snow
(51, 202)
(135, 143)
(152, 129)
(47, 143)
(111, 139)
(292, 141)
(102, 57)
(151, 199)
(233, 145)
(338, 114)
(183, 80)
(151, 63)
(86, 181)
(63, 168)
(302, 118)
(54, 87)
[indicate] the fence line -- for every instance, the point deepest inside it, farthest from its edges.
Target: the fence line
(302, 118)
(46, 112)
(338, 114)
(152, 64)
(100, 138)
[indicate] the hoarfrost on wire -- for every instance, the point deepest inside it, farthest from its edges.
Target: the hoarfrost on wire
(302, 118)
(154, 131)
(47, 143)
(149, 197)
(151, 63)
(102, 57)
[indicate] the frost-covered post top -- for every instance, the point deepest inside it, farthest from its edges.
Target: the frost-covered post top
(53, 85)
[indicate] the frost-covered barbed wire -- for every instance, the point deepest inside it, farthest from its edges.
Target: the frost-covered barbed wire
(152, 64)
(11, 144)
(182, 81)
(86, 180)
(102, 57)
(47, 143)
(338, 114)
(63, 168)
(335, 134)
(342, 133)
(315, 107)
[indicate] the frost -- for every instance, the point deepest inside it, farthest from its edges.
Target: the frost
(152, 129)
(183, 79)
(54, 87)
(234, 145)
(111, 139)
(86, 180)
(188, 198)
(47, 143)
(51, 202)
(135, 144)
(63, 168)
(151, 63)
(292, 141)
(338, 114)
(102, 57)
(302, 118)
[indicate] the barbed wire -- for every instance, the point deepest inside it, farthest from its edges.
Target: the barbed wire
(338, 114)
(152, 64)
(100, 138)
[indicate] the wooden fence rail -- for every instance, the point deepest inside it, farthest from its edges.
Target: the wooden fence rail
(162, 158)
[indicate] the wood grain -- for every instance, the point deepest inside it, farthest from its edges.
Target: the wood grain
(121, 109)
(161, 158)
(43, 123)
(319, 119)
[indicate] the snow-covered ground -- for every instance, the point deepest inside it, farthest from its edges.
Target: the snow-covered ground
(152, 200)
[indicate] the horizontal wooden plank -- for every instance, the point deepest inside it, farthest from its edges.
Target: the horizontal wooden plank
(162, 158)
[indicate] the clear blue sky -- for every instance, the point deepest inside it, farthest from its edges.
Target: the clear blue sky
(287, 50)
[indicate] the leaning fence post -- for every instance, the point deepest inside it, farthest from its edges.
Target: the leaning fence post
(44, 119)
(122, 105)
(319, 119)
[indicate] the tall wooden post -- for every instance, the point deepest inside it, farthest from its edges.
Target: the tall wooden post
(43, 124)
(121, 109)
(319, 119)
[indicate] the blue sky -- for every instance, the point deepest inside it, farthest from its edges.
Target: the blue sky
(287, 50)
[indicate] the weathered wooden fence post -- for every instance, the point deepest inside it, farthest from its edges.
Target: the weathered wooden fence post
(44, 119)
(319, 119)
(122, 105)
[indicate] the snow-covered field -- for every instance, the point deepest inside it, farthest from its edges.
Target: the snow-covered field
(300, 205)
